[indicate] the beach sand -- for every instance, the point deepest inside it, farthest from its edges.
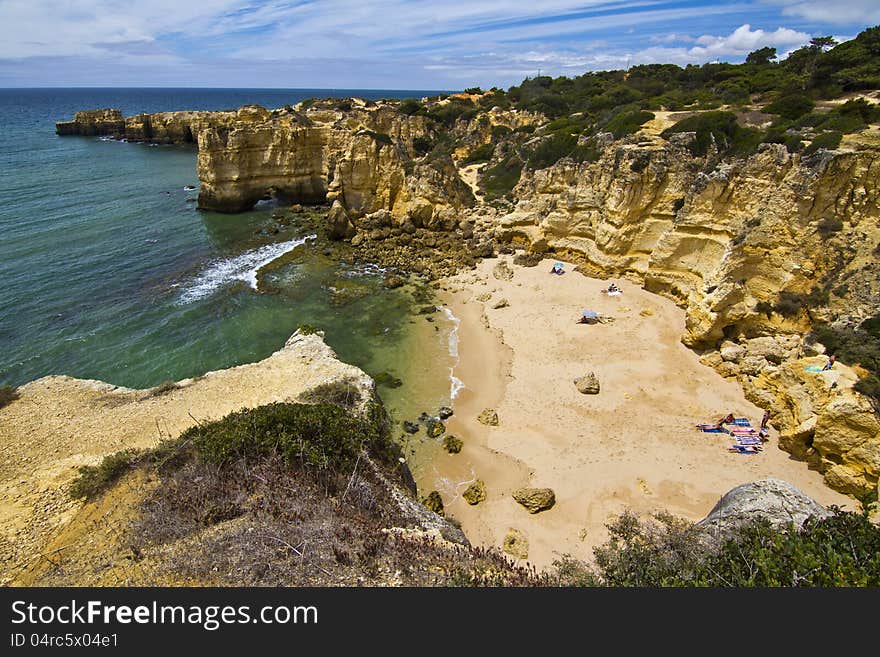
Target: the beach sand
(634, 445)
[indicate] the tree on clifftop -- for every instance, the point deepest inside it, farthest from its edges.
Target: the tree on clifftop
(762, 56)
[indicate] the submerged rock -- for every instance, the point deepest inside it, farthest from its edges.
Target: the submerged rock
(452, 444)
(444, 412)
(388, 380)
(434, 502)
(535, 499)
(475, 493)
(435, 428)
(410, 427)
(392, 282)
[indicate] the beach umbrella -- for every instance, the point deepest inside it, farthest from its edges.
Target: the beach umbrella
(591, 314)
(559, 265)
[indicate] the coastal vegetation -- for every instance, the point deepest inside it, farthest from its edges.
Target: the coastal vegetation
(8, 394)
(731, 108)
(271, 480)
(841, 550)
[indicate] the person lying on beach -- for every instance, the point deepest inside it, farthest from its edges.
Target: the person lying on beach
(727, 419)
(613, 289)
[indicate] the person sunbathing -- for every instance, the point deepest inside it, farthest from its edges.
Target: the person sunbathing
(727, 419)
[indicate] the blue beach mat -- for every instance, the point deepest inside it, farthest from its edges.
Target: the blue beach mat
(747, 440)
(742, 422)
(813, 368)
(742, 449)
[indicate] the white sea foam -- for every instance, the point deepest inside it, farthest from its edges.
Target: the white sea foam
(244, 267)
(456, 384)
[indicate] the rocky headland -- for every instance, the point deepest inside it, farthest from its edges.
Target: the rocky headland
(758, 249)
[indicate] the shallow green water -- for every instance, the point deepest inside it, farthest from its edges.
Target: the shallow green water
(109, 272)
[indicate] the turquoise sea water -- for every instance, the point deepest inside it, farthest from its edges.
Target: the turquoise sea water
(108, 272)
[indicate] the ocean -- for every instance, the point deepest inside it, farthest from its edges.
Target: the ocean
(109, 272)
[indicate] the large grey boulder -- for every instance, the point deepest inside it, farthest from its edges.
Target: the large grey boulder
(774, 500)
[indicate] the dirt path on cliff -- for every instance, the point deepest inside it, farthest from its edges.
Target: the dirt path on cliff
(634, 445)
(470, 174)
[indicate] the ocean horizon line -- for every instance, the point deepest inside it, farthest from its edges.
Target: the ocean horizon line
(141, 88)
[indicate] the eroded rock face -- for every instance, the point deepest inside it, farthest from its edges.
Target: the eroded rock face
(361, 159)
(773, 500)
(822, 420)
(718, 239)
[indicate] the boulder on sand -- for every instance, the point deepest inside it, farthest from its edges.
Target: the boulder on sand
(588, 385)
(475, 493)
(535, 499)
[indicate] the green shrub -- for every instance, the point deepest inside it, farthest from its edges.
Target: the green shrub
(455, 109)
(841, 550)
(422, 145)
(8, 394)
(500, 179)
(378, 137)
(764, 307)
(323, 436)
(341, 392)
(829, 226)
(789, 304)
(473, 90)
(827, 140)
(482, 153)
(855, 345)
(411, 107)
(719, 128)
(869, 386)
(627, 123)
(552, 149)
(500, 132)
(791, 106)
(95, 479)
(306, 329)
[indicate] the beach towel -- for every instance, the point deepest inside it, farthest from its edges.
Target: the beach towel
(742, 422)
(616, 293)
(747, 440)
(744, 432)
(814, 368)
(742, 449)
(713, 430)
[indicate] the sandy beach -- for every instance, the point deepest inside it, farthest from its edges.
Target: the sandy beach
(633, 445)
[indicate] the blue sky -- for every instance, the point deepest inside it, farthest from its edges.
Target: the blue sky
(390, 44)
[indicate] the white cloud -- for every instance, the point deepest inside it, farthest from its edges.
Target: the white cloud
(744, 40)
(377, 42)
(839, 12)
